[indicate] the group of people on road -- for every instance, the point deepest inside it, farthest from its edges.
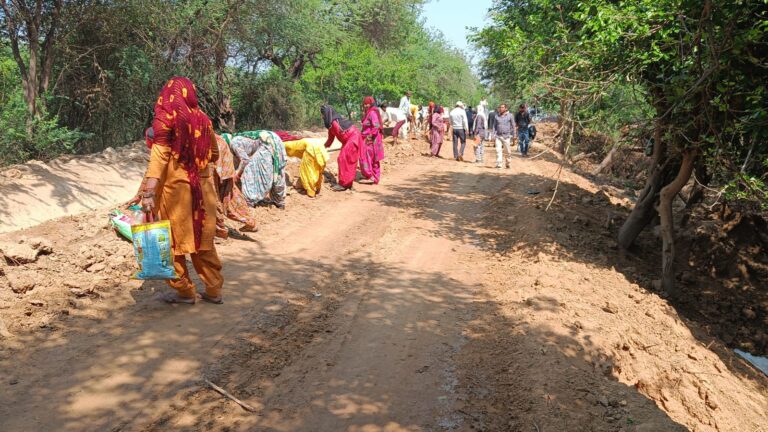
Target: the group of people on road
(500, 126)
(363, 146)
(196, 178)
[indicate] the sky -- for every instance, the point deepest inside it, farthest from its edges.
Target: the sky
(452, 17)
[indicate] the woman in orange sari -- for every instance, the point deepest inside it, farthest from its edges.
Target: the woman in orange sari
(179, 186)
(232, 203)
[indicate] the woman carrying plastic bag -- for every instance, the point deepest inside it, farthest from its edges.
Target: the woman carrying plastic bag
(179, 187)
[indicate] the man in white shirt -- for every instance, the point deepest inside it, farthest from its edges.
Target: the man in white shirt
(460, 125)
(405, 106)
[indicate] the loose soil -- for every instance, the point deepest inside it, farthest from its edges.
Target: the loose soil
(445, 298)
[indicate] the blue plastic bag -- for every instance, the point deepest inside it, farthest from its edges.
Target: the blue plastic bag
(152, 244)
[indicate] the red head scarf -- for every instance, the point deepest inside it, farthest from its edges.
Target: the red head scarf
(181, 125)
(369, 100)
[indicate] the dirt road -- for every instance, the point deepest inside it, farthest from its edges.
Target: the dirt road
(443, 299)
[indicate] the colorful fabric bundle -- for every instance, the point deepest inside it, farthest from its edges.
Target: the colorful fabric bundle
(285, 136)
(152, 244)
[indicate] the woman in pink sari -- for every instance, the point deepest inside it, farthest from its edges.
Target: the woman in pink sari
(349, 136)
(372, 146)
(437, 129)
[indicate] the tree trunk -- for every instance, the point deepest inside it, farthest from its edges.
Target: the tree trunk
(35, 77)
(666, 197)
(225, 114)
(644, 210)
(607, 161)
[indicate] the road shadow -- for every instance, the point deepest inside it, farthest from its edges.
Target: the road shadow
(505, 219)
(114, 374)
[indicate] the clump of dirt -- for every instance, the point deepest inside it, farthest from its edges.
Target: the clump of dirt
(76, 259)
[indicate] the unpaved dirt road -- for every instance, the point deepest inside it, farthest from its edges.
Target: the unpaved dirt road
(443, 299)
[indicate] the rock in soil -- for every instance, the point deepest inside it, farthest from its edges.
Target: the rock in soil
(4, 333)
(17, 254)
(22, 281)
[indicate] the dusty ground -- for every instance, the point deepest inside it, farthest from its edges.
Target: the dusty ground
(445, 298)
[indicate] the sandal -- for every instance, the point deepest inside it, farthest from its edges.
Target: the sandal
(209, 299)
(174, 298)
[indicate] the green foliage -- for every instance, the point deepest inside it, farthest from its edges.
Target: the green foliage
(694, 69)
(47, 140)
(422, 63)
(256, 64)
(269, 102)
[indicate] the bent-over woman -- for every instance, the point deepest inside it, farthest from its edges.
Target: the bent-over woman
(349, 136)
(313, 157)
(232, 203)
(261, 170)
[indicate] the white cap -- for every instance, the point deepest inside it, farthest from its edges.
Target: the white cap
(460, 104)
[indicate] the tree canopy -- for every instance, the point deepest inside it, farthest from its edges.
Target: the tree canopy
(691, 74)
(255, 63)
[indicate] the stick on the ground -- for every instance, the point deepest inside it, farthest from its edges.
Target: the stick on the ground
(229, 395)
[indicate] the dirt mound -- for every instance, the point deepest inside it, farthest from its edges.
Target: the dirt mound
(582, 326)
(723, 276)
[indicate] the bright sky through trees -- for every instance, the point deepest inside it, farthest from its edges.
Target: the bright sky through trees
(452, 17)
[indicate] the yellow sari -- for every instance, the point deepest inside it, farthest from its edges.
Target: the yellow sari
(313, 157)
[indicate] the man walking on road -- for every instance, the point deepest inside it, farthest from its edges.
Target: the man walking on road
(523, 120)
(505, 130)
(470, 118)
(460, 125)
(405, 106)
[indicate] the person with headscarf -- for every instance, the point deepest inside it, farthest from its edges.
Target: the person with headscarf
(179, 186)
(261, 171)
(437, 130)
(372, 149)
(351, 140)
(232, 203)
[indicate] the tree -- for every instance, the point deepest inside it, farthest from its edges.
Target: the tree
(32, 28)
(698, 65)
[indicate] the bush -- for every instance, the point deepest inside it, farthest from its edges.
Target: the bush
(270, 101)
(48, 139)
